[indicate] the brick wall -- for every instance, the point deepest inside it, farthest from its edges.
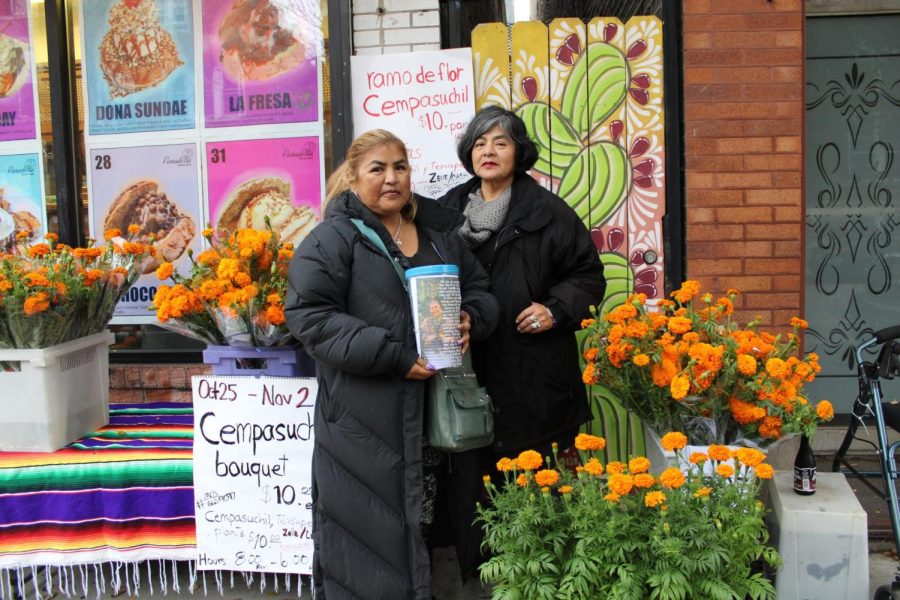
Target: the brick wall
(153, 383)
(388, 26)
(743, 129)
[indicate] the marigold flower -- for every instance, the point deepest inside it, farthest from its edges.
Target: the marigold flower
(545, 490)
(565, 489)
(764, 471)
(639, 464)
(591, 354)
(164, 271)
(506, 464)
(674, 440)
(672, 478)
(620, 483)
(585, 323)
(36, 303)
(134, 229)
(688, 290)
(679, 325)
(654, 499)
(208, 232)
(584, 441)
(725, 470)
(39, 250)
(51, 237)
(612, 497)
(746, 364)
(770, 427)
(21, 235)
(698, 458)
(679, 387)
(702, 492)
(593, 467)
(641, 359)
(522, 480)
(733, 292)
(546, 477)
(749, 457)
(825, 410)
(799, 323)
(486, 479)
(720, 453)
(644, 480)
(589, 376)
(616, 467)
(776, 367)
(529, 460)
(109, 234)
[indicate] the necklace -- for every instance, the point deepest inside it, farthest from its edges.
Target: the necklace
(397, 239)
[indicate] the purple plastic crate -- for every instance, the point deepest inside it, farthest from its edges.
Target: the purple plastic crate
(279, 361)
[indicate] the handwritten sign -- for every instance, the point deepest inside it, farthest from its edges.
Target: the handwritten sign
(425, 98)
(253, 440)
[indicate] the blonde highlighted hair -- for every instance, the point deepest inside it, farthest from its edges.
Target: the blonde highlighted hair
(342, 179)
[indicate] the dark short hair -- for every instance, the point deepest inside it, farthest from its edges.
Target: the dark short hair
(494, 116)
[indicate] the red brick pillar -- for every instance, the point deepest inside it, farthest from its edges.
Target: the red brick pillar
(743, 129)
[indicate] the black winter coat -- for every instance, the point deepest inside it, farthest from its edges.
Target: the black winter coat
(350, 311)
(542, 253)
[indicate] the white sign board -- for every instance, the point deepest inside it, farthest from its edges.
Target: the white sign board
(253, 440)
(426, 99)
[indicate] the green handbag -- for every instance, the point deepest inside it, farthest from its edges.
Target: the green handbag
(459, 415)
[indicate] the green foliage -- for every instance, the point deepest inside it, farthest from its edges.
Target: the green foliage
(554, 534)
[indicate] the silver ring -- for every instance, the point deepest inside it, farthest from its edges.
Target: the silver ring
(534, 319)
(535, 325)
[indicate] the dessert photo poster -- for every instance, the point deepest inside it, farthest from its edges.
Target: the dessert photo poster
(17, 117)
(156, 188)
(260, 62)
(249, 180)
(21, 202)
(139, 65)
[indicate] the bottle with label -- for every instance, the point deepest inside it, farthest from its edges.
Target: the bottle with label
(805, 469)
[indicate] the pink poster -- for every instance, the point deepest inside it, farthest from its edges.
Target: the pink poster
(16, 84)
(250, 181)
(259, 61)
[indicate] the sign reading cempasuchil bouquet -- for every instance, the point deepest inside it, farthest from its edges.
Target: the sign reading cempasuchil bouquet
(253, 440)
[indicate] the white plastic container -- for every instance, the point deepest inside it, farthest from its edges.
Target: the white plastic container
(60, 394)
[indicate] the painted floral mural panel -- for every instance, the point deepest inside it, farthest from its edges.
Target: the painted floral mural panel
(490, 53)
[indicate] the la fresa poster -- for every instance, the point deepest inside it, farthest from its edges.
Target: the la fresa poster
(17, 118)
(260, 61)
(250, 181)
(139, 65)
(22, 221)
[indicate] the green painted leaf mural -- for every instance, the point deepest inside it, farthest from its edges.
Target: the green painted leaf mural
(605, 72)
(597, 182)
(541, 119)
(619, 280)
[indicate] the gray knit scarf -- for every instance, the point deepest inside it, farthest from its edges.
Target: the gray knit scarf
(483, 219)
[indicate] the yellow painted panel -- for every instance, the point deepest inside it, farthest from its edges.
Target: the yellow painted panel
(490, 55)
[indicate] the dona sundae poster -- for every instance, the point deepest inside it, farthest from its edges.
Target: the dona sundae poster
(250, 181)
(17, 120)
(260, 61)
(139, 65)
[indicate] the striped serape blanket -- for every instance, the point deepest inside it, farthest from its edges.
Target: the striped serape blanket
(124, 494)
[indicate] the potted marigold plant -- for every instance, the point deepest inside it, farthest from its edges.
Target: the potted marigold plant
(232, 298)
(55, 304)
(689, 366)
(617, 531)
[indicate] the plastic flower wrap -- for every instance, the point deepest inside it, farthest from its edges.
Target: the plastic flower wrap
(628, 530)
(234, 293)
(689, 366)
(55, 293)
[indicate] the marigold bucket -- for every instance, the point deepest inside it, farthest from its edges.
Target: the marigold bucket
(57, 395)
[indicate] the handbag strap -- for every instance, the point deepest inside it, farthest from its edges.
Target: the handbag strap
(370, 234)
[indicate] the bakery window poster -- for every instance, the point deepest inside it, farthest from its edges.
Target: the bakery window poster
(21, 203)
(252, 180)
(17, 120)
(139, 62)
(156, 188)
(260, 60)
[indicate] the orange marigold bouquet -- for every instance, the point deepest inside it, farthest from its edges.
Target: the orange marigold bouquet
(689, 366)
(55, 293)
(234, 292)
(623, 530)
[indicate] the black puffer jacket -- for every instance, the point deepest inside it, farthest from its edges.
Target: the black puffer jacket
(542, 253)
(347, 306)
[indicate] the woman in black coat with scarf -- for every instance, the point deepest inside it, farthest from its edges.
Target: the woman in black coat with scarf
(349, 308)
(546, 274)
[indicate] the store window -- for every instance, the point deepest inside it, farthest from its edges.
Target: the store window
(196, 92)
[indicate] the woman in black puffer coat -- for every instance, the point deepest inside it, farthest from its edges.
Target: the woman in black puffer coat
(350, 310)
